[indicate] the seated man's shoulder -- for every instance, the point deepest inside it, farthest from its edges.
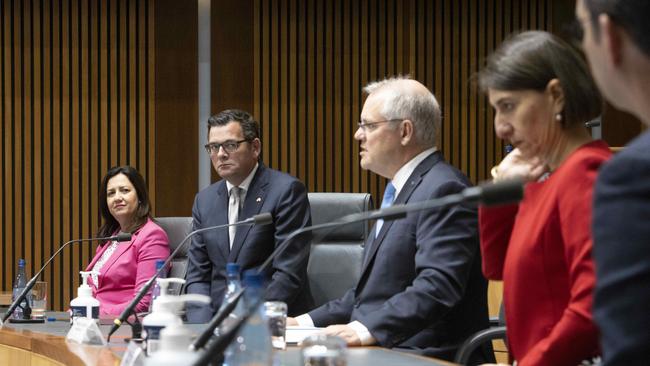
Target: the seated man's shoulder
(445, 177)
(282, 182)
(211, 189)
(632, 161)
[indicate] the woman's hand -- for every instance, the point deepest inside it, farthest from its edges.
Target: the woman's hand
(514, 165)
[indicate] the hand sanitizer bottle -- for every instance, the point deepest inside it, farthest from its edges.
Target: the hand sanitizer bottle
(164, 313)
(84, 305)
(175, 339)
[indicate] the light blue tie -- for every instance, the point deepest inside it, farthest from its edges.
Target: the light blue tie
(389, 196)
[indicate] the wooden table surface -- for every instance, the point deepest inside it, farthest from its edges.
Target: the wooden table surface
(48, 341)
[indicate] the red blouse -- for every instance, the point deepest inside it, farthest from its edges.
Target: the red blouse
(541, 249)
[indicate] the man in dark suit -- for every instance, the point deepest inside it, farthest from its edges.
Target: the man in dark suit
(421, 287)
(617, 43)
(246, 189)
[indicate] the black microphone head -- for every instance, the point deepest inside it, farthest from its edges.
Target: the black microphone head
(264, 218)
(501, 193)
(122, 237)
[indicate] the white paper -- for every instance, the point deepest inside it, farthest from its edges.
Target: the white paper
(295, 334)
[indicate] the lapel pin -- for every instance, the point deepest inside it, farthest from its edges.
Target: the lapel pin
(259, 199)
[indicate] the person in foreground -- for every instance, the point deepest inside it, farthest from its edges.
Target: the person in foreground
(247, 188)
(421, 287)
(542, 95)
(617, 43)
(125, 267)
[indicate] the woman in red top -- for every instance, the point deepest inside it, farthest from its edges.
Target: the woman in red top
(542, 95)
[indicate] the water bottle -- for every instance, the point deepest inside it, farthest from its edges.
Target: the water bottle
(156, 288)
(233, 285)
(19, 285)
(252, 346)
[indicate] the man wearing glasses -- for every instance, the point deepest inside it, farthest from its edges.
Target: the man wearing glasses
(421, 287)
(247, 188)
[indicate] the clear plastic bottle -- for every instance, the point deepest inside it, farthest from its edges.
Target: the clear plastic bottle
(19, 285)
(233, 285)
(252, 346)
(156, 287)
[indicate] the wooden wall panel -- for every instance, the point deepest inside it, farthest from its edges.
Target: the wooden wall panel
(311, 59)
(77, 98)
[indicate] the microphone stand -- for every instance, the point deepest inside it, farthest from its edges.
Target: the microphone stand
(488, 194)
(32, 281)
(222, 314)
(230, 306)
(222, 342)
(136, 327)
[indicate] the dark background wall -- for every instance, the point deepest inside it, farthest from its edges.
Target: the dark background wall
(89, 84)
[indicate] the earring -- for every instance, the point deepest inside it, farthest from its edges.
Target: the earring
(558, 117)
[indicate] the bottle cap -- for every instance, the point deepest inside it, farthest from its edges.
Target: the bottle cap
(159, 264)
(21, 262)
(253, 279)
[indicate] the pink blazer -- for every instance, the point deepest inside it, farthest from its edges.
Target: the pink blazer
(128, 269)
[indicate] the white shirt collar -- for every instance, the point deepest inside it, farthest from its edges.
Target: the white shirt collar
(403, 174)
(246, 182)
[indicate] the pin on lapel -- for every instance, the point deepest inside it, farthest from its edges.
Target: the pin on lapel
(258, 200)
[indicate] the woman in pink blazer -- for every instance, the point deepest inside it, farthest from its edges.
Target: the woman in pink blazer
(125, 267)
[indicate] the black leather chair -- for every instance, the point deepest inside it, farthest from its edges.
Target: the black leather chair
(336, 255)
(482, 338)
(177, 229)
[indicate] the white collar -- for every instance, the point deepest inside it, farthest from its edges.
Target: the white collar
(403, 174)
(246, 182)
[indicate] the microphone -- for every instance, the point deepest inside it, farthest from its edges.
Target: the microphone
(260, 219)
(28, 287)
(489, 194)
(507, 191)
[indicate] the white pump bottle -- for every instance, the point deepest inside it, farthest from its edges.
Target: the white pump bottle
(165, 312)
(84, 305)
(175, 338)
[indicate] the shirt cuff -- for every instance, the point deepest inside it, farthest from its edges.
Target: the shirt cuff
(305, 320)
(362, 332)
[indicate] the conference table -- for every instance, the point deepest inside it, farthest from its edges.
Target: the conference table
(45, 345)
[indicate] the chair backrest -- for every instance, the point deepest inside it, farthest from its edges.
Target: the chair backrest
(177, 229)
(336, 255)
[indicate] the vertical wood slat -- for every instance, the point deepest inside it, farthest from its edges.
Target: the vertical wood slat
(340, 46)
(60, 84)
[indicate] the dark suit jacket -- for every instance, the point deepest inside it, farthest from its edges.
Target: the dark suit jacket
(270, 191)
(621, 229)
(421, 286)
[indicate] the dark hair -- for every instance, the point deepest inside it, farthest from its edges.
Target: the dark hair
(249, 126)
(530, 60)
(632, 15)
(143, 212)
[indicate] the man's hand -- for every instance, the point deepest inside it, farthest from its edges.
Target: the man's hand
(291, 322)
(347, 333)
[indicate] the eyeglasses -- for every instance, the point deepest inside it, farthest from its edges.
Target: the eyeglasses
(228, 146)
(369, 126)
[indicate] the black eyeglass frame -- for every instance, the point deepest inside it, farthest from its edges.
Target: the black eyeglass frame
(228, 146)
